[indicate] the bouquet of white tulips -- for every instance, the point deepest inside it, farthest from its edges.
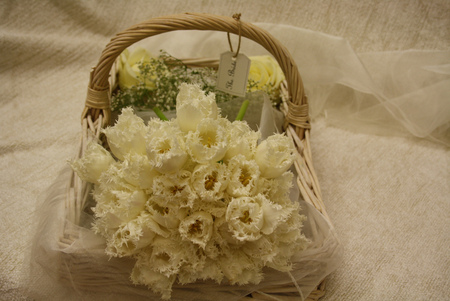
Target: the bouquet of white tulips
(194, 198)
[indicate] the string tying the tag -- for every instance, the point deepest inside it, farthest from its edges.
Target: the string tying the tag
(237, 17)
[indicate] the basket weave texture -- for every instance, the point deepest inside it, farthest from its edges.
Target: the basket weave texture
(97, 115)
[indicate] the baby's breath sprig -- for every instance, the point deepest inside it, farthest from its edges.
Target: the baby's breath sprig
(165, 73)
(158, 81)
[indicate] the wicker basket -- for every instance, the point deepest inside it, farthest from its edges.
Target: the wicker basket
(97, 112)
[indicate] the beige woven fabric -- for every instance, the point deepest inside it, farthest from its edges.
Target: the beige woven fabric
(387, 196)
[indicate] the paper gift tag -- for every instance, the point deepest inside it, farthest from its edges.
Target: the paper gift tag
(233, 73)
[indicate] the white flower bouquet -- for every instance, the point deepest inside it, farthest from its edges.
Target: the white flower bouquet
(193, 208)
(194, 198)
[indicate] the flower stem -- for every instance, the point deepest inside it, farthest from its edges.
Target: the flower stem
(242, 110)
(160, 114)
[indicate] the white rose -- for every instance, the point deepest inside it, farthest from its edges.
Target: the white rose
(275, 155)
(94, 162)
(127, 136)
(209, 142)
(198, 228)
(128, 68)
(264, 70)
(193, 106)
(165, 146)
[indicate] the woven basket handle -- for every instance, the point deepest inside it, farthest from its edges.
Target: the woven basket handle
(98, 96)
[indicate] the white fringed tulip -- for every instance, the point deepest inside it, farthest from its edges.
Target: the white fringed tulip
(251, 217)
(167, 256)
(209, 143)
(277, 189)
(166, 147)
(198, 228)
(245, 218)
(174, 190)
(133, 236)
(127, 136)
(95, 161)
(242, 140)
(143, 274)
(117, 200)
(167, 217)
(274, 215)
(275, 155)
(239, 268)
(244, 176)
(130, 203)
(137, 170)
(210, 181)
(193, 106)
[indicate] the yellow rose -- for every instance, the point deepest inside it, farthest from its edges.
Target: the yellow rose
(129, 72)
(264, 70)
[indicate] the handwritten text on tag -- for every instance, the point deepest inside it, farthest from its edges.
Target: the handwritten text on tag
(233, 73)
